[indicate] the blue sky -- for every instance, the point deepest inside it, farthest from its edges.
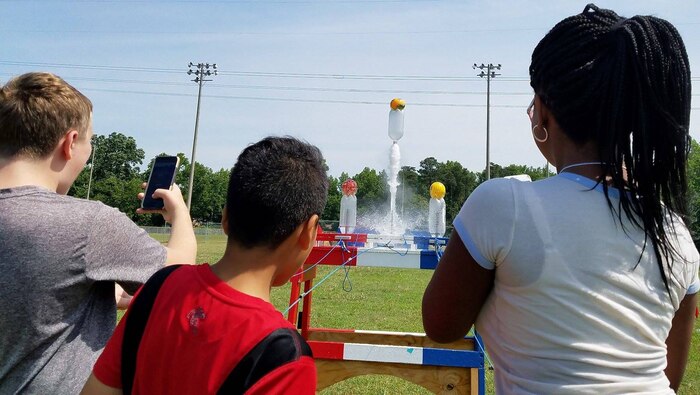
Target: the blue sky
(323, 71)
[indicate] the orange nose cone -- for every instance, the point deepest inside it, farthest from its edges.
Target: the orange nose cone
(397, 104)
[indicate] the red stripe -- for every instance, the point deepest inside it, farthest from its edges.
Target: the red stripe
(331, 330)
(324, 256)
(327, 350)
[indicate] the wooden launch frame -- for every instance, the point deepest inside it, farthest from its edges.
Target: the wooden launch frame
(453, 368)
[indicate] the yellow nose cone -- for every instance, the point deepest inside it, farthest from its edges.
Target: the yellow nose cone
(398, 104)
(437, 190)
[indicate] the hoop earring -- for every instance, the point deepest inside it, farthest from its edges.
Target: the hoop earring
(546, 134)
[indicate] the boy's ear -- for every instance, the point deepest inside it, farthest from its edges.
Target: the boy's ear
(66, 143)
(308, 233)
(224, 220)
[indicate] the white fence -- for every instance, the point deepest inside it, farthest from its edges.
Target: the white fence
(207, 230)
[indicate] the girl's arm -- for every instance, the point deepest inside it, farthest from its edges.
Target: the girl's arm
(455, 294)
(678, 341)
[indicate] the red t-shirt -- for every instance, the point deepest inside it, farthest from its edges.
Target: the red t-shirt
(198, 330)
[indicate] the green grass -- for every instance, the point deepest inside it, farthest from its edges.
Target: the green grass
(385, 299)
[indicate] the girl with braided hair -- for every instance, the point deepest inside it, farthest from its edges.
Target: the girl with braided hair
(585, 282)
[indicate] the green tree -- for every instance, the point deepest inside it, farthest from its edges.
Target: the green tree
(459, 184)
(116, 155)
(80, 186)
(219, 191)
(412, 195)
(410, 177)
(372, 190)
(428, 171)
(208, 191)
(115, 173)
(497, 171)
(332, 209)
(120, 194)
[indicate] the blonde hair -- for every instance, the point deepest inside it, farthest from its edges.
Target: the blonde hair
(36, 110)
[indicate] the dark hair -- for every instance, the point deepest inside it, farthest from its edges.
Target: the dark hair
(36, 110)
(625, 85)
(276, 184)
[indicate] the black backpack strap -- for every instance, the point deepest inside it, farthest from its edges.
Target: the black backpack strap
(139, 310)
(279, 348)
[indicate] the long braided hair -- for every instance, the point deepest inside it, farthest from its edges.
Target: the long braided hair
(625, 85)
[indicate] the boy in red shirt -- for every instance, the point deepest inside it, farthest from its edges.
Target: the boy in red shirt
(212, 328)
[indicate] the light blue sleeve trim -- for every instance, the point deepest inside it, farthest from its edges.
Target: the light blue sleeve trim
(692, 289)
(471, 246)
(590, 184)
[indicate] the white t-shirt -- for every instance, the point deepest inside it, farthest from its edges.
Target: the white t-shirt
(571, 311)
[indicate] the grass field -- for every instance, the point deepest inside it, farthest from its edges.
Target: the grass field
(386, 299)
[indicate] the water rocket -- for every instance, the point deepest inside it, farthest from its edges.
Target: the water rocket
(396, 119)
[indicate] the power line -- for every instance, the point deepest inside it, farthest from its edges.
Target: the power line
(291, 88)
(93, 67)
(257, 73)
(299, 88)
(339, 76)
(360, 76)
(354, 90)
(329, 101)
(276, 33)
(319, 2)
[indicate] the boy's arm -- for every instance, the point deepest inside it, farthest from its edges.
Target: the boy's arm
(93, 386)
(678, 341)
(182, 245)
(122, 297)
(298, 377)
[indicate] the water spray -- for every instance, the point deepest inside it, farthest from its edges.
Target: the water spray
(395, 133)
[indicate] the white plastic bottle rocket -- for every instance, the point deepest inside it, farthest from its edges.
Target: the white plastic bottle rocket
(437, 210)
(396, 119)
(348, 206)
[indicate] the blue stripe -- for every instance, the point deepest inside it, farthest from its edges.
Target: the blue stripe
(590, 184)
(453, 358)
(694, 287)
(428, 259)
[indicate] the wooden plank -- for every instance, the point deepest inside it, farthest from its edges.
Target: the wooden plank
(475, 381)
(438, 380)
(309, 273)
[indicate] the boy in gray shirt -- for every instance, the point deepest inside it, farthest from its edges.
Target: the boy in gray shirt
(60, 256)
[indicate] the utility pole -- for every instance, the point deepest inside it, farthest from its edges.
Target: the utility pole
(92, 167)
(487, 71)
(200, 71)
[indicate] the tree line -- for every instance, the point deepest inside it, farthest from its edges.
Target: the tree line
(117, 177)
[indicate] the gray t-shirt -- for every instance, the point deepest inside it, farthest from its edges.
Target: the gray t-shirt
(59, 259)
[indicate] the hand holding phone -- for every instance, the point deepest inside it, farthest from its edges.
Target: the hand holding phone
(162, 177)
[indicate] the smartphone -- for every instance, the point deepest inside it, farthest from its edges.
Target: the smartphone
(162, 176)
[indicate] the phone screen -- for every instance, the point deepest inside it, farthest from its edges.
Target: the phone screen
(162, 176)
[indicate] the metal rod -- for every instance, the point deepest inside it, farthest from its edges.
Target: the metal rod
(194, 143)
(200, 74)
(488, 117)
(92, 167)
(488, 72)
